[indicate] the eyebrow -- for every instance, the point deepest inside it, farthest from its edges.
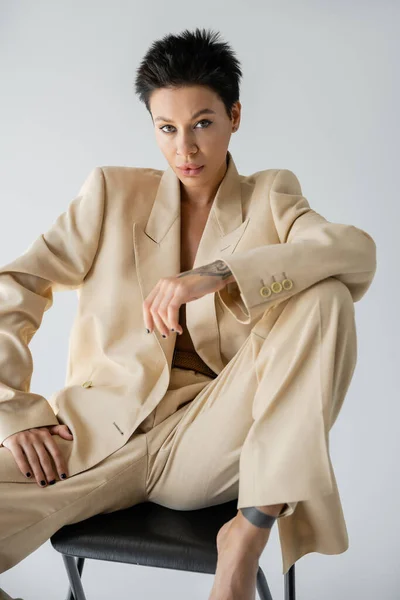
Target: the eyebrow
(199, 112)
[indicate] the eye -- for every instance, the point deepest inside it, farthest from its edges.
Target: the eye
(202, 121)
(205, 121)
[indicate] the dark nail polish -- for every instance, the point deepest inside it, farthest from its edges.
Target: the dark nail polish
(148, 330)
(163, 335)
(52, 482)
(63, 476)
(43, 482)
(172, 329)
(28, 474)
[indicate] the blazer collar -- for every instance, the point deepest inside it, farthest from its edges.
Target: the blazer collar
(226, 208)
(157, 248)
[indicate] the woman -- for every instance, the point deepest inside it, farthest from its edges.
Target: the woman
(214, 343)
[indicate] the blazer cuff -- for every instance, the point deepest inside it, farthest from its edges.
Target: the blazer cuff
(23, 413)
(243, 298)
(232, 300)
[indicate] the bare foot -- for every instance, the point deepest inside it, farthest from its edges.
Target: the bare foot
(237, 564)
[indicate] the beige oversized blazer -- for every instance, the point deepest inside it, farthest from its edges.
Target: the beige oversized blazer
(116, 239)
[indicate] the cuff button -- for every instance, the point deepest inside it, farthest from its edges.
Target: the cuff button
(276, 287)
(265, 291)
(287, 284)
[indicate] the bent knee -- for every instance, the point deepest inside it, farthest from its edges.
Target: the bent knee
(331, 290)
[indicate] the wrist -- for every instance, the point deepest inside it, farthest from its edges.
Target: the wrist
(224, 271)
(230, 279)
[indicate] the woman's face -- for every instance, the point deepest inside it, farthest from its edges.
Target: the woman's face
(185, 138)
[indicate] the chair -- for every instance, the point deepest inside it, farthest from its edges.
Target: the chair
(149, 534)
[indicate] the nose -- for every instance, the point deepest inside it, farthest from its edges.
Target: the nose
(186, 146)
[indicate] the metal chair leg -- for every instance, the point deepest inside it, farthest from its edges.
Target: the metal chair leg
(262, 586)
(74, 572)
(290, 587)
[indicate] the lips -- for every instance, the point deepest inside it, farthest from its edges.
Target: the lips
(192, 172)
(191, 167)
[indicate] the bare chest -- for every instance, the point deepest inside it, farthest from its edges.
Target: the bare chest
(192, 227)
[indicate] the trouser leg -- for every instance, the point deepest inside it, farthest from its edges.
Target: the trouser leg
(259, 431)
(30, 515)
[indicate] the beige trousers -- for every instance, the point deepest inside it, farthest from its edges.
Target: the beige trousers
(258, 432)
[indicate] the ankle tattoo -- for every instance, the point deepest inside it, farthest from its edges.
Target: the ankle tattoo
(257, 517)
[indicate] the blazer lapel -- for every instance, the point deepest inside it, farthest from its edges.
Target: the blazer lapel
(157, 249)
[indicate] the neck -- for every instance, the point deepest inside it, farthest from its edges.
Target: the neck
(203, 198)
(195, 201)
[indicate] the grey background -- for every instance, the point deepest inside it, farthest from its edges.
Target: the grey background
(320, 96)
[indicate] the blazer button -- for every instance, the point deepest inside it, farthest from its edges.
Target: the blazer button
(265, 291)
(287, 284)
(276, 287)
(87, 384)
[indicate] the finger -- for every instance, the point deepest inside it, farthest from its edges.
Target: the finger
(162, 298)
(168, 309)
(61, 430)
(45, 460)
(57, 456)
(173, 314)
(148, 301)
(21, 460)
(159, 323)
(66, 433)
(33, 459)
(53, 429)
(150, 308)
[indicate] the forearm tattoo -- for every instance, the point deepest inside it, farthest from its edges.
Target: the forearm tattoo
(217, 268)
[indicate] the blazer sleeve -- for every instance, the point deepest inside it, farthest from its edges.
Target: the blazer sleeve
(57, 260)
(311, 249)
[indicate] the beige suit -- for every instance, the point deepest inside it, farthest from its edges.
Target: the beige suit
(281, 339)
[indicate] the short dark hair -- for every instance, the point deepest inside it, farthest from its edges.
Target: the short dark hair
(190, 58)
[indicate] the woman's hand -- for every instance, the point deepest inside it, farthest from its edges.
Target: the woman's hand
(32, 449)
(161, 307)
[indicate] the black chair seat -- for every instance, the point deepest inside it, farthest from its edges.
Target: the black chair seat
(149, 534)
